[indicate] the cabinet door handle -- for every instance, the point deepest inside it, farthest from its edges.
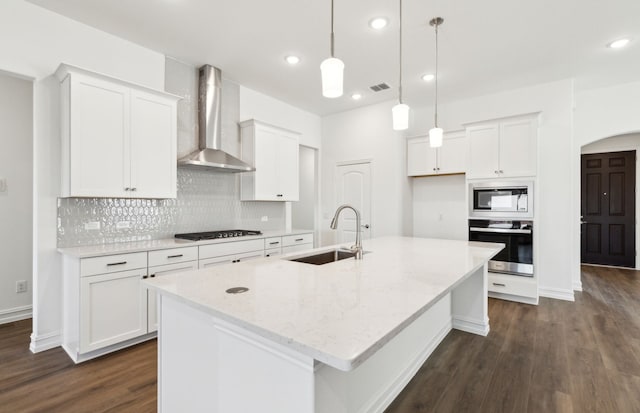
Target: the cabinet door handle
(111, 264)
(499, 284)
(152, 276)
(299, 239)
(495, 172)
(134, 189)
(144, 277)
(501, 171)
(434, 169)
(274, 243)
(127, 189)
(279, 195)
(175, 256)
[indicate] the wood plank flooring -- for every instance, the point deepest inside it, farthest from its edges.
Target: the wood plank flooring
(555, 357)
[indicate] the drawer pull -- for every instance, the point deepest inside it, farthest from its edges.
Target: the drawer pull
(152, 276)
(299, 239)
(144, 277)
(175, 256)
(274, 243)
(499, 284)
(111, 264)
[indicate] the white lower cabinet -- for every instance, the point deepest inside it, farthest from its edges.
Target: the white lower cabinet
(159, 271)
(113, 308)
(513, 288)
(230, 259)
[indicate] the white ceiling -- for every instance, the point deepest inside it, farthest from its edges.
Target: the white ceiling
(485, 45)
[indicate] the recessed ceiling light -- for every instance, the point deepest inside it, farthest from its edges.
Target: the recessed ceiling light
(428, 77)
(378, 23)
(292, 60)
(356, 96)
(619, 44)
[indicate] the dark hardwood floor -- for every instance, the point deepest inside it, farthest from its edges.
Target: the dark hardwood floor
(555, 357)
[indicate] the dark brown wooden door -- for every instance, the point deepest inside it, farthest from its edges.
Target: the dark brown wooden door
(608, 208)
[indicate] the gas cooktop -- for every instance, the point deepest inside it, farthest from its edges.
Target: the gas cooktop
(231, 233)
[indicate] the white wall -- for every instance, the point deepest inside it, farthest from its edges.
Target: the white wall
(16, 168)
(367, 133)
(440, 208)
(255, 105)
(34, 42)
(630, 142)
(303, 211)
(599, 113)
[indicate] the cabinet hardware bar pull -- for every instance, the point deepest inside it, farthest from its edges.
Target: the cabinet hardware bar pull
(134, 189)
(499, 284)
(274, 243)
(299, 239)
(144, 277)
(175, 256)
(116, 263)
(152, 276)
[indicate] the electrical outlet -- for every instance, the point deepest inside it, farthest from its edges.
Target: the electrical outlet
(21, 286)
(3, 185)
(264, 218)
(92, 226)
(123, 224)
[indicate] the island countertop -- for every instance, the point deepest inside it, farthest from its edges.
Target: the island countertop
(338, 313)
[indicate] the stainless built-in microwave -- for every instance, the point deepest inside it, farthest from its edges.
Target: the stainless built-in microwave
(506, 199)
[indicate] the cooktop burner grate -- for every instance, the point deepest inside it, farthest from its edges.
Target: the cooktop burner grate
(231, 233)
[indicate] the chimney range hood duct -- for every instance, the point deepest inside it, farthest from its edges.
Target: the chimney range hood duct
(210, 154)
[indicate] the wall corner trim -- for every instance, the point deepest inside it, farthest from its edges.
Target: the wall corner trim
(45, 341)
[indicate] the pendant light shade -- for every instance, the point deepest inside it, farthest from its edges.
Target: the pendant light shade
(332, 70)
(435, 137)
(400, 112)
(435, 133)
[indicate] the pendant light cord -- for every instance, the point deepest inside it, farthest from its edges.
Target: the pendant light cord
(400, 63)
(332, 35)
(436, 105)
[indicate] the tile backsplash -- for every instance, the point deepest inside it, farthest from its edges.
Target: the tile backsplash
(206, 201)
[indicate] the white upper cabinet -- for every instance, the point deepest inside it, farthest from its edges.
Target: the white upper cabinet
(503, 148)
(274, 153)
(450, 158)
(118, 139)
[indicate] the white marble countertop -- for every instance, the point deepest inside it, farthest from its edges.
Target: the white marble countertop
(338, 313)
(159, 244)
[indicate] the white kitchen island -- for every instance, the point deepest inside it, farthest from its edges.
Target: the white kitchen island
(340, 337)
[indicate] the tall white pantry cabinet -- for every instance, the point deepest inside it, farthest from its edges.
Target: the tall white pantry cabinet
(118, 139)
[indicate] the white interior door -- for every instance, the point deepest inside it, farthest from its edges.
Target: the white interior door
(353, 187)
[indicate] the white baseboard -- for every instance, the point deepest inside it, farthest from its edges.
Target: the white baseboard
(16, 314)
(45, 341)
(514, 298)
(557, 293)
(577, 285)
(470, 325)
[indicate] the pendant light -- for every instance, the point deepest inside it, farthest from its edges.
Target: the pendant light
(332, 70)
(435, 133)
(400, 112)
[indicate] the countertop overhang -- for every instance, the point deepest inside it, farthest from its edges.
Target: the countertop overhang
(338, 313)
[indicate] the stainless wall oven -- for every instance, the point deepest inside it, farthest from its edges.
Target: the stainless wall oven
(501, 199)
(517, 257)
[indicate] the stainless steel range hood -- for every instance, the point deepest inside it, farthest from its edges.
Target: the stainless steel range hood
(210, 154)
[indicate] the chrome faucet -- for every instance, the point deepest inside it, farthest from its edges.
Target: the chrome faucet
(334, 225)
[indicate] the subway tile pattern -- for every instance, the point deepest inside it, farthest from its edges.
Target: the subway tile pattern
(206, 201)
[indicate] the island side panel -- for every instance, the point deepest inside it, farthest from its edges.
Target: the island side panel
(375, 383)
(206, 364)
(470, 303)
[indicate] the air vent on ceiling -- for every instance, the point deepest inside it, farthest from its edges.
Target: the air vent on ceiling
(379, 87)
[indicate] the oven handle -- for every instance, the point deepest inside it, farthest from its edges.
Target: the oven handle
(501, 230)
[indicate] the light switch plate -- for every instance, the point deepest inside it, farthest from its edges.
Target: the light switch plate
(123, 225)
(3, 185)
(92, 226)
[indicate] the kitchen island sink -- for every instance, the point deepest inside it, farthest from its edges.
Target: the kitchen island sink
(325, 257)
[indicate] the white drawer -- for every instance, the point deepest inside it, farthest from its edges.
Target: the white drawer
(230, 259)
(229, 248)
(513, 284)
(172, 256)
(290, 240)
(272, 252)
(274, 242)
(112, 263)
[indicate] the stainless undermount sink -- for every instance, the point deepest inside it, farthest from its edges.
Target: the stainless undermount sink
(325, 257)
